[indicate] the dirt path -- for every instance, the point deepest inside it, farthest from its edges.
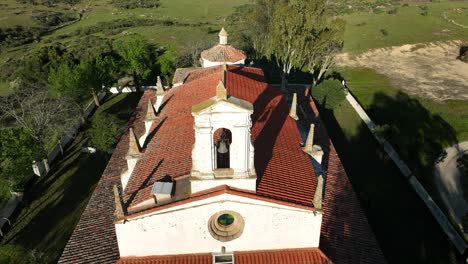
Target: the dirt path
(447, 178)
(430, 70)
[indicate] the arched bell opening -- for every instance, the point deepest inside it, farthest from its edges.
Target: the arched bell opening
(222, 139)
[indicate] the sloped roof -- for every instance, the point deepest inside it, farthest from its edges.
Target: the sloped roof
(215, 191)
(346, 236)
(223, 53)
(286, 256)
(284, 171)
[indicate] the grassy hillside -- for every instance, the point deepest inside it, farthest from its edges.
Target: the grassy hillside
(175, 22)
(415, 23)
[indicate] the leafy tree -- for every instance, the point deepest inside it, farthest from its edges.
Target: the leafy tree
(295, 33)
(82, 80)
(252, 22)
(105, 131)
(65, 80)
(136, 55)
(168, 63)
(323, 49)
(17, 151)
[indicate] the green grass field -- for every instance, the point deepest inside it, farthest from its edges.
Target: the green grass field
(407, 26)
(55, 202)
(365, 84)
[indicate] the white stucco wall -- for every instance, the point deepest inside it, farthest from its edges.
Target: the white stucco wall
(223, 115)
(207, 63)
(247, 184)
(184, 229)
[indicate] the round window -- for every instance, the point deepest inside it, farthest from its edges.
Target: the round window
(226, 219)
(226, 225)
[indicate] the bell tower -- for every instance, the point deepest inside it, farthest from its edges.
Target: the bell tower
(223, 152)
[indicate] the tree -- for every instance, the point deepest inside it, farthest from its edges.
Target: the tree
(252, 22)
(168, 63)
(95, 75)
(323, 49)
(295, 33)
(65, 80)
(105, 131)
(136, 55)
(17, 151)
(41, 116)
(80, 81)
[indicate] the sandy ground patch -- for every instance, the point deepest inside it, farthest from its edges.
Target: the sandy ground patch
(430, 70)
(448, 177)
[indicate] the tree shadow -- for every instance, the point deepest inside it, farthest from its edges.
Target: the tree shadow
(404, 227)
(274, 118)
(418, 135)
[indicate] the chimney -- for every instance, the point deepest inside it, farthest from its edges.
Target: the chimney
(223, 35)
(133, 156)
(159, 95)
(318, 193)
(293, 111)
(162, 192)
(118, 214)
(221, 93)
(149, 119)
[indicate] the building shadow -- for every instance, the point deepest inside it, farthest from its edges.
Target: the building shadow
(404, 227)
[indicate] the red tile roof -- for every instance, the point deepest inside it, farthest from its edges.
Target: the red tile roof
(346, 236)
(223, 53)
(218, 190)
(285, 256)
(284, 171)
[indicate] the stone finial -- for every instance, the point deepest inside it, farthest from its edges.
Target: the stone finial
(293, 112)
(159, 87)
(119, 214)
(133, 148)
(310, 140)
(318, 193)
(150, 116)
(223, 35)
(221, 93)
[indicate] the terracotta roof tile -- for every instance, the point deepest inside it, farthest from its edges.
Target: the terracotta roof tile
(223, 53)
(284, 171)
(286, 256)
(94, 239)
(346, 236)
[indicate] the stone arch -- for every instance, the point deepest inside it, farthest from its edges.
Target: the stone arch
(222, 140)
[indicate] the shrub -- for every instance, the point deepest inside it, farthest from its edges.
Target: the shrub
(392, 11)
(384, 32)
(105, 131)
(15, 254)
(328, 93)
(425, 13)
(17, 151)
(131, 4)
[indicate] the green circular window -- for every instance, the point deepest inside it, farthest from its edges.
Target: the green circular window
(226, 219)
